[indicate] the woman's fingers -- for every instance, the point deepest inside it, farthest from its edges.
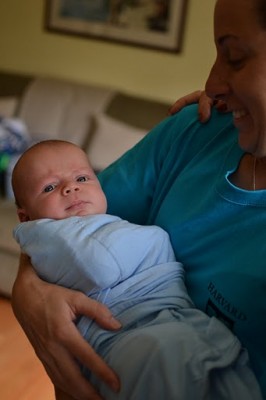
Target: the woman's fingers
(94, 310)
(67, 376)
(85, 354)
(205, 104)
(60, 395)
(185, 101)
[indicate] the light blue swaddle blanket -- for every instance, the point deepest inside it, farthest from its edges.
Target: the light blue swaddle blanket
(166, 349)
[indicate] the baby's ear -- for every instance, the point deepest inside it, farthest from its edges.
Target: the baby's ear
(22, 215)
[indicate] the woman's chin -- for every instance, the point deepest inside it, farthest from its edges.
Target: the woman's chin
(246, 141)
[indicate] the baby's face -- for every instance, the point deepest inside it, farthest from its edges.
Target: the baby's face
(58, 182)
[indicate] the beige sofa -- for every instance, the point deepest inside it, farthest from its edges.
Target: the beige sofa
(105, 122)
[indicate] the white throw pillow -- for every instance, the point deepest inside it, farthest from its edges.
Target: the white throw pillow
(109, 139)
(57, 109)
(8, 106)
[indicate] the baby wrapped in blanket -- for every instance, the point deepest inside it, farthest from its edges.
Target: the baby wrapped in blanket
(166, 348)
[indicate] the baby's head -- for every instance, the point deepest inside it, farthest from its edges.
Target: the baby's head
(54, 179)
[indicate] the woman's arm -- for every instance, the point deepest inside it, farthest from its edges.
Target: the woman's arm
(47, 314)
(205, 104)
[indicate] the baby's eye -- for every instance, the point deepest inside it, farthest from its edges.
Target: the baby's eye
(49, 188)
(82, 179)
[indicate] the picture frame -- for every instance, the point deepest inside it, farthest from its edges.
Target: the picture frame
(154, 24)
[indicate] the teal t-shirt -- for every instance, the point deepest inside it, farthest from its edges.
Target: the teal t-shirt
(177, 178)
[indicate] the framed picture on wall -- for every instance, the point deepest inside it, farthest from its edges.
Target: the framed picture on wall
(156, 24)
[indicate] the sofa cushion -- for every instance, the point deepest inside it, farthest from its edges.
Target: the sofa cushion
(53, 108)
(109, 139)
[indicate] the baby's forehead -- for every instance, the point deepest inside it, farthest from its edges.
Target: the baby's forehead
(45, 159)
(55, 152)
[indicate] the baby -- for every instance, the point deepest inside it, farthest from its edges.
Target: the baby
(166, 348)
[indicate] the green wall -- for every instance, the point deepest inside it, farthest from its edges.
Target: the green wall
(26, 47)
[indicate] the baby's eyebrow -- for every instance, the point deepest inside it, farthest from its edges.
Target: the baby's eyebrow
(81, 171)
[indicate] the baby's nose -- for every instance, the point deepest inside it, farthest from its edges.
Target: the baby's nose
(70, 188)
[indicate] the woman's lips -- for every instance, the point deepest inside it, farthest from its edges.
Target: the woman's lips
(237, 114)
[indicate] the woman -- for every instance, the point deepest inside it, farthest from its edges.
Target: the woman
(205, 183)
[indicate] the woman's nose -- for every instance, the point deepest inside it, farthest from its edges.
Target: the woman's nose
(216, 85)
(70, 188)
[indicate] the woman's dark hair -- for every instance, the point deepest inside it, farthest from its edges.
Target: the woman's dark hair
(261, 10)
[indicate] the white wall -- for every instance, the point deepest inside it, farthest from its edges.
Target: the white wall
(26, 47)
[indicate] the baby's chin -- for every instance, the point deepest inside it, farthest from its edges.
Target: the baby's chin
(82, 212)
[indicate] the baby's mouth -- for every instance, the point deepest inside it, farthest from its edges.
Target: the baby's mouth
(75, 204)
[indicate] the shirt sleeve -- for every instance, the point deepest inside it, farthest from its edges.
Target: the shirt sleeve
(139, 178)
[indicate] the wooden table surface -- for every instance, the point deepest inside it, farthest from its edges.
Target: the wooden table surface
(22, 376)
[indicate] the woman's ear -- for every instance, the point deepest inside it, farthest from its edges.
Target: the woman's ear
(22, 215)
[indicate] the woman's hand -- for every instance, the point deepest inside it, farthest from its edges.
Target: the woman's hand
(47, 313)
(59, 395)
(205, 104)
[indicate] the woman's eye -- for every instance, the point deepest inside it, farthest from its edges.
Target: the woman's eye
(49, 188)
(82, 179)
(236, 62)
